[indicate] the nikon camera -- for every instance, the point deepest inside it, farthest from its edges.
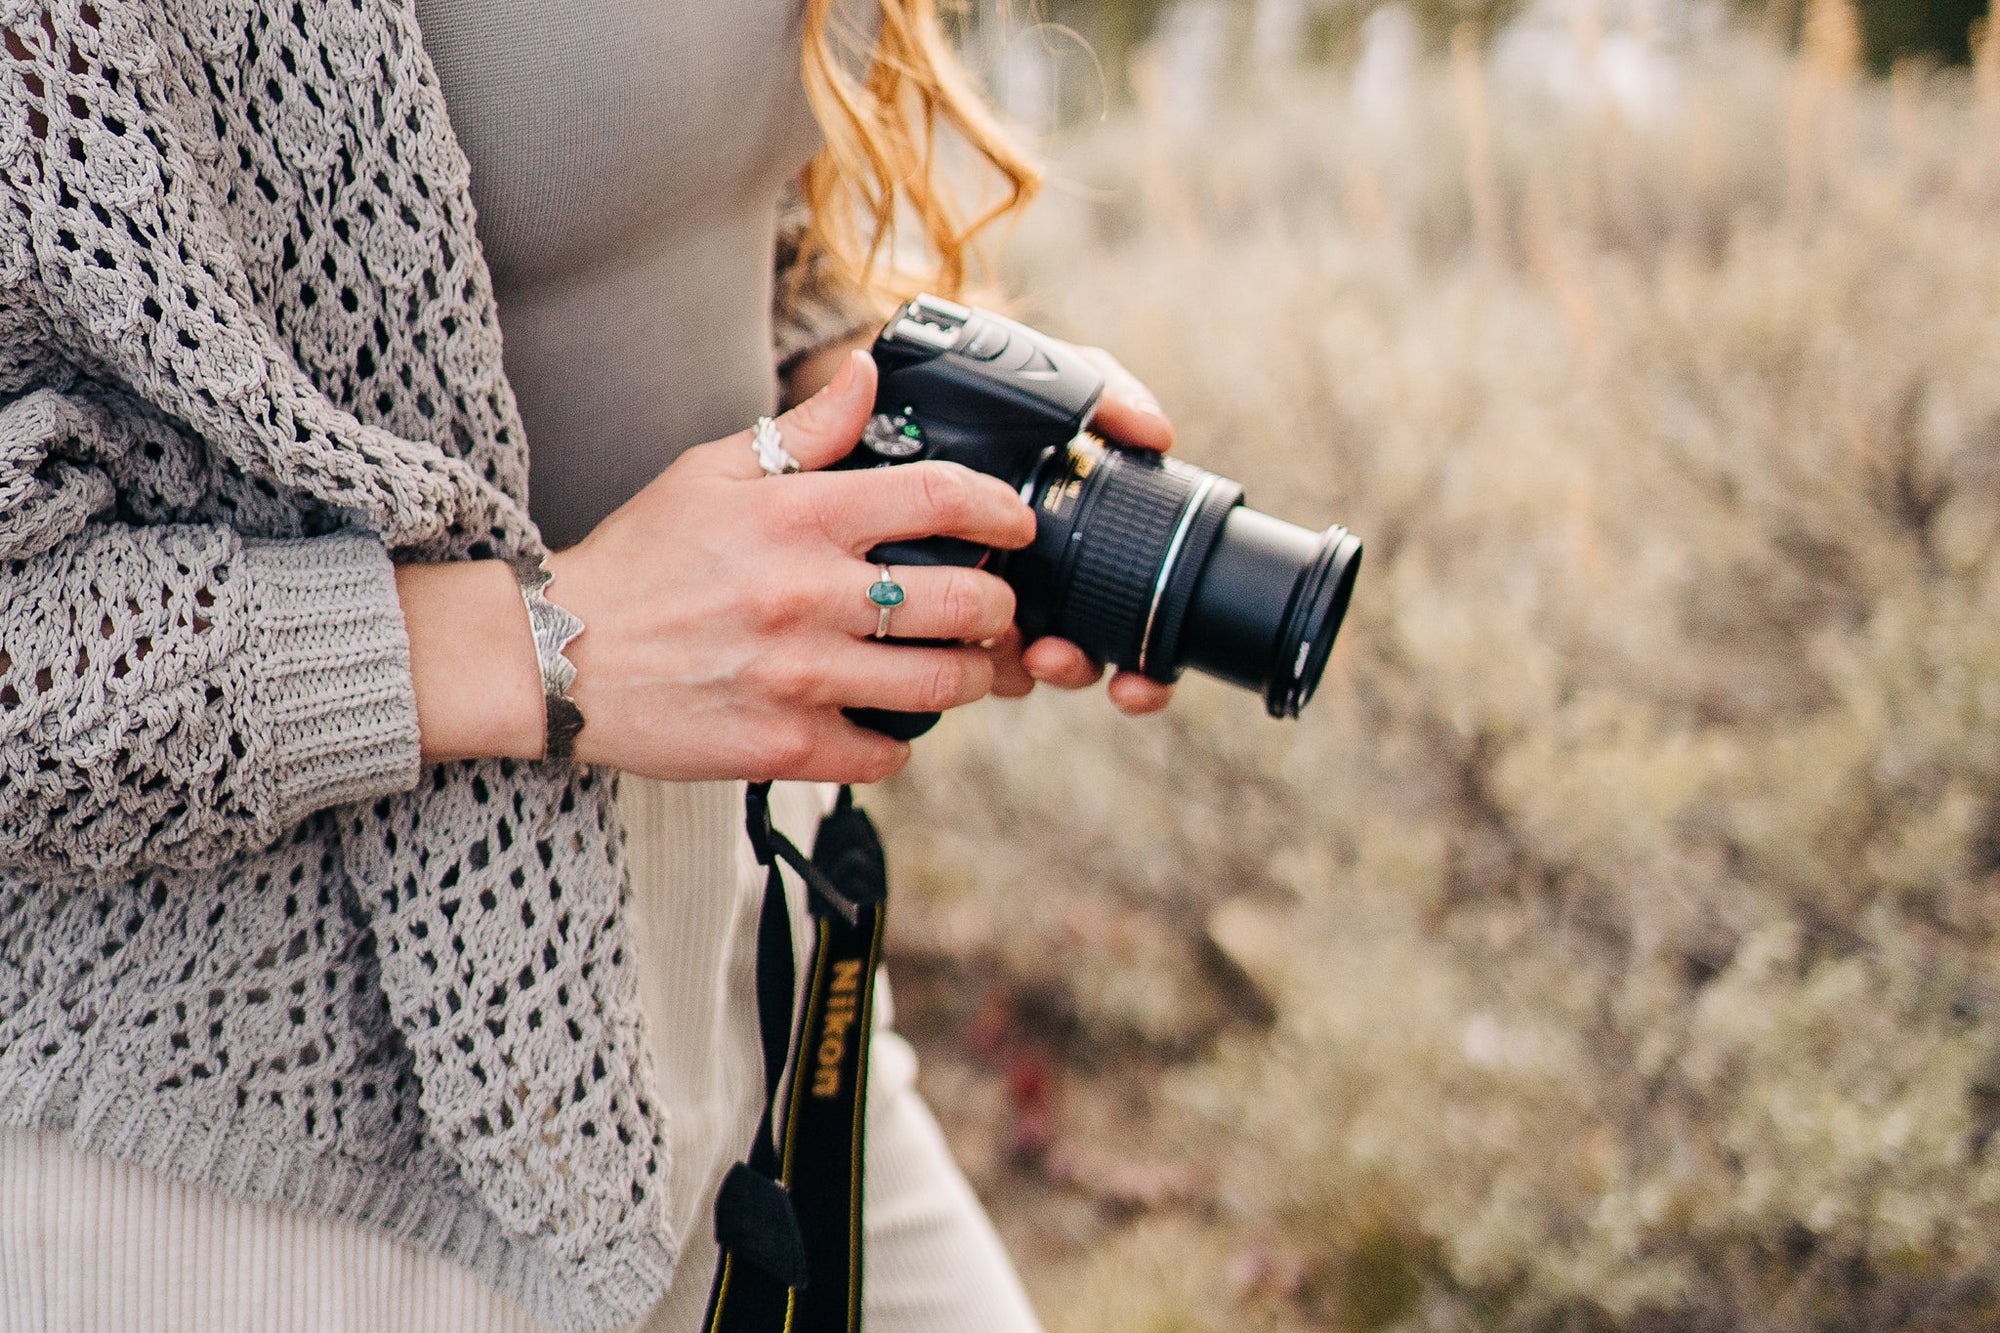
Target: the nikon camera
(1143, 561)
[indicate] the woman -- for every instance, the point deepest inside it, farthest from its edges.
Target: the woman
(323, 1001)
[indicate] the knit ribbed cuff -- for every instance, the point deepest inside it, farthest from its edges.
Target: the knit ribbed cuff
(334, 678)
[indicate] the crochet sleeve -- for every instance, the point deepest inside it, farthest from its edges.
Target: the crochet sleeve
(814, 303)
(171, 690)
(173, 693)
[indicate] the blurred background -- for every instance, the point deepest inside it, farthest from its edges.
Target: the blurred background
(1612, 945)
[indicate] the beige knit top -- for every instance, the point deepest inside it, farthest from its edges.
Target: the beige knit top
(628, 157)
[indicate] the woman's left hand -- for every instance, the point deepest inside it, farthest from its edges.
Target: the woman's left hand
(1128, 414)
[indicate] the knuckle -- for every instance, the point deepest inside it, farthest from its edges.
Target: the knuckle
(779, 606)
(939, 686)
(786, 679)
(792, 509)
(953, 679)
(770, 516)
(817, 509)
(963, 606)
(946, 493)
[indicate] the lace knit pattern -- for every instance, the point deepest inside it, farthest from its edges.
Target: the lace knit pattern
(248, 352)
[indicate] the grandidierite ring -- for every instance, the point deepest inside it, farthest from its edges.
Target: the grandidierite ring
(887, 595)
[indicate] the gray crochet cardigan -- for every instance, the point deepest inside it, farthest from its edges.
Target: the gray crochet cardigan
(248, 353)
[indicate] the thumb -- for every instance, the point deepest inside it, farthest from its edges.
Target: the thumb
(825, 427)
(1128, 413)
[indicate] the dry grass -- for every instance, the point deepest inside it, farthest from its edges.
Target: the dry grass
(1614, 943)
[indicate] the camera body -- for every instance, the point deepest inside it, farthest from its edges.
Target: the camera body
(967, 386)
(1146, 562)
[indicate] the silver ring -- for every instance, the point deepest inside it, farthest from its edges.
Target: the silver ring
(770, 450)
(887, 595)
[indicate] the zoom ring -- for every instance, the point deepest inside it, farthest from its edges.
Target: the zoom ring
(1126, 536)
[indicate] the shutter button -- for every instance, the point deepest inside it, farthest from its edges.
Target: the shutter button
(988, 343)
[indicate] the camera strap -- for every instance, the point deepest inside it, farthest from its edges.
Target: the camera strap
(788, 1218)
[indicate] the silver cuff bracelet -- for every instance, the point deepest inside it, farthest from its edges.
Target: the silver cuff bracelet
(554, 629)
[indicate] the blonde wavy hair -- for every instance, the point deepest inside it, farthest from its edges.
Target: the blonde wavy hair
(880, 168)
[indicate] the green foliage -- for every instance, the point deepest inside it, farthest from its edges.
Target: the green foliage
(1893, 29)
(1626, 905)
(1381, 1281)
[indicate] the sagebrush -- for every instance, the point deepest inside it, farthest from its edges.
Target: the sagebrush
(1613, 944)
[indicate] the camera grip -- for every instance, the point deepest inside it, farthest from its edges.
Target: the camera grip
(929, 551)
(896, 726)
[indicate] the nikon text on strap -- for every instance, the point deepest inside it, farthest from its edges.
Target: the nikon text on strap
(788, 1218)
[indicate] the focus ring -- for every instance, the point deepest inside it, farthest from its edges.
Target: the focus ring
(1125, 534)
(1176, 592)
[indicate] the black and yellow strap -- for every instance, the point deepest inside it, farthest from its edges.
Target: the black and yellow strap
(788, 1218)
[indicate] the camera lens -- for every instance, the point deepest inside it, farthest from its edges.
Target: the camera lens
(1156, 565)
(1267, 606)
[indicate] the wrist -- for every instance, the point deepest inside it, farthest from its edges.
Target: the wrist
(553, 628)
(568, 589)
(472, 661)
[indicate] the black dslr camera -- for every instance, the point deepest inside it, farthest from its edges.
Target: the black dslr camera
(1143, 561)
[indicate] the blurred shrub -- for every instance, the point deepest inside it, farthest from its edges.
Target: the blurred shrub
(1626, 905)
(1093, 49)
(1892, 29)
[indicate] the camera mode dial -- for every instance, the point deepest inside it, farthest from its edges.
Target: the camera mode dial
(895, 435)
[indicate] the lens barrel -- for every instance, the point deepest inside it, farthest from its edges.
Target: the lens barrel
(1156, 565)
(1268, 604)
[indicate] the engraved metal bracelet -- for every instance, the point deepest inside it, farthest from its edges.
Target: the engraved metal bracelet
(554, 629)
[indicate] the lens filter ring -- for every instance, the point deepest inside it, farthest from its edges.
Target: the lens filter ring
(1319, 604)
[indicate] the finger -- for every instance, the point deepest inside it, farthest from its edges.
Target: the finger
(826, 747)
(862, 509)
(1128, 413)
(1010, 679)
(818, 432)
(1060, 663)
(1136, 695)
(825, 427)
(939, 602)
(909, 679)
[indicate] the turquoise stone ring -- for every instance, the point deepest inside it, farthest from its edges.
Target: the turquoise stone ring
(886, 594)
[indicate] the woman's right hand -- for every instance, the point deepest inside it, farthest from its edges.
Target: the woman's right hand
(726, 611)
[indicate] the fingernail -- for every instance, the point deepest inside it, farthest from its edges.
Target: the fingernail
(1145, 402)
(843, 379)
